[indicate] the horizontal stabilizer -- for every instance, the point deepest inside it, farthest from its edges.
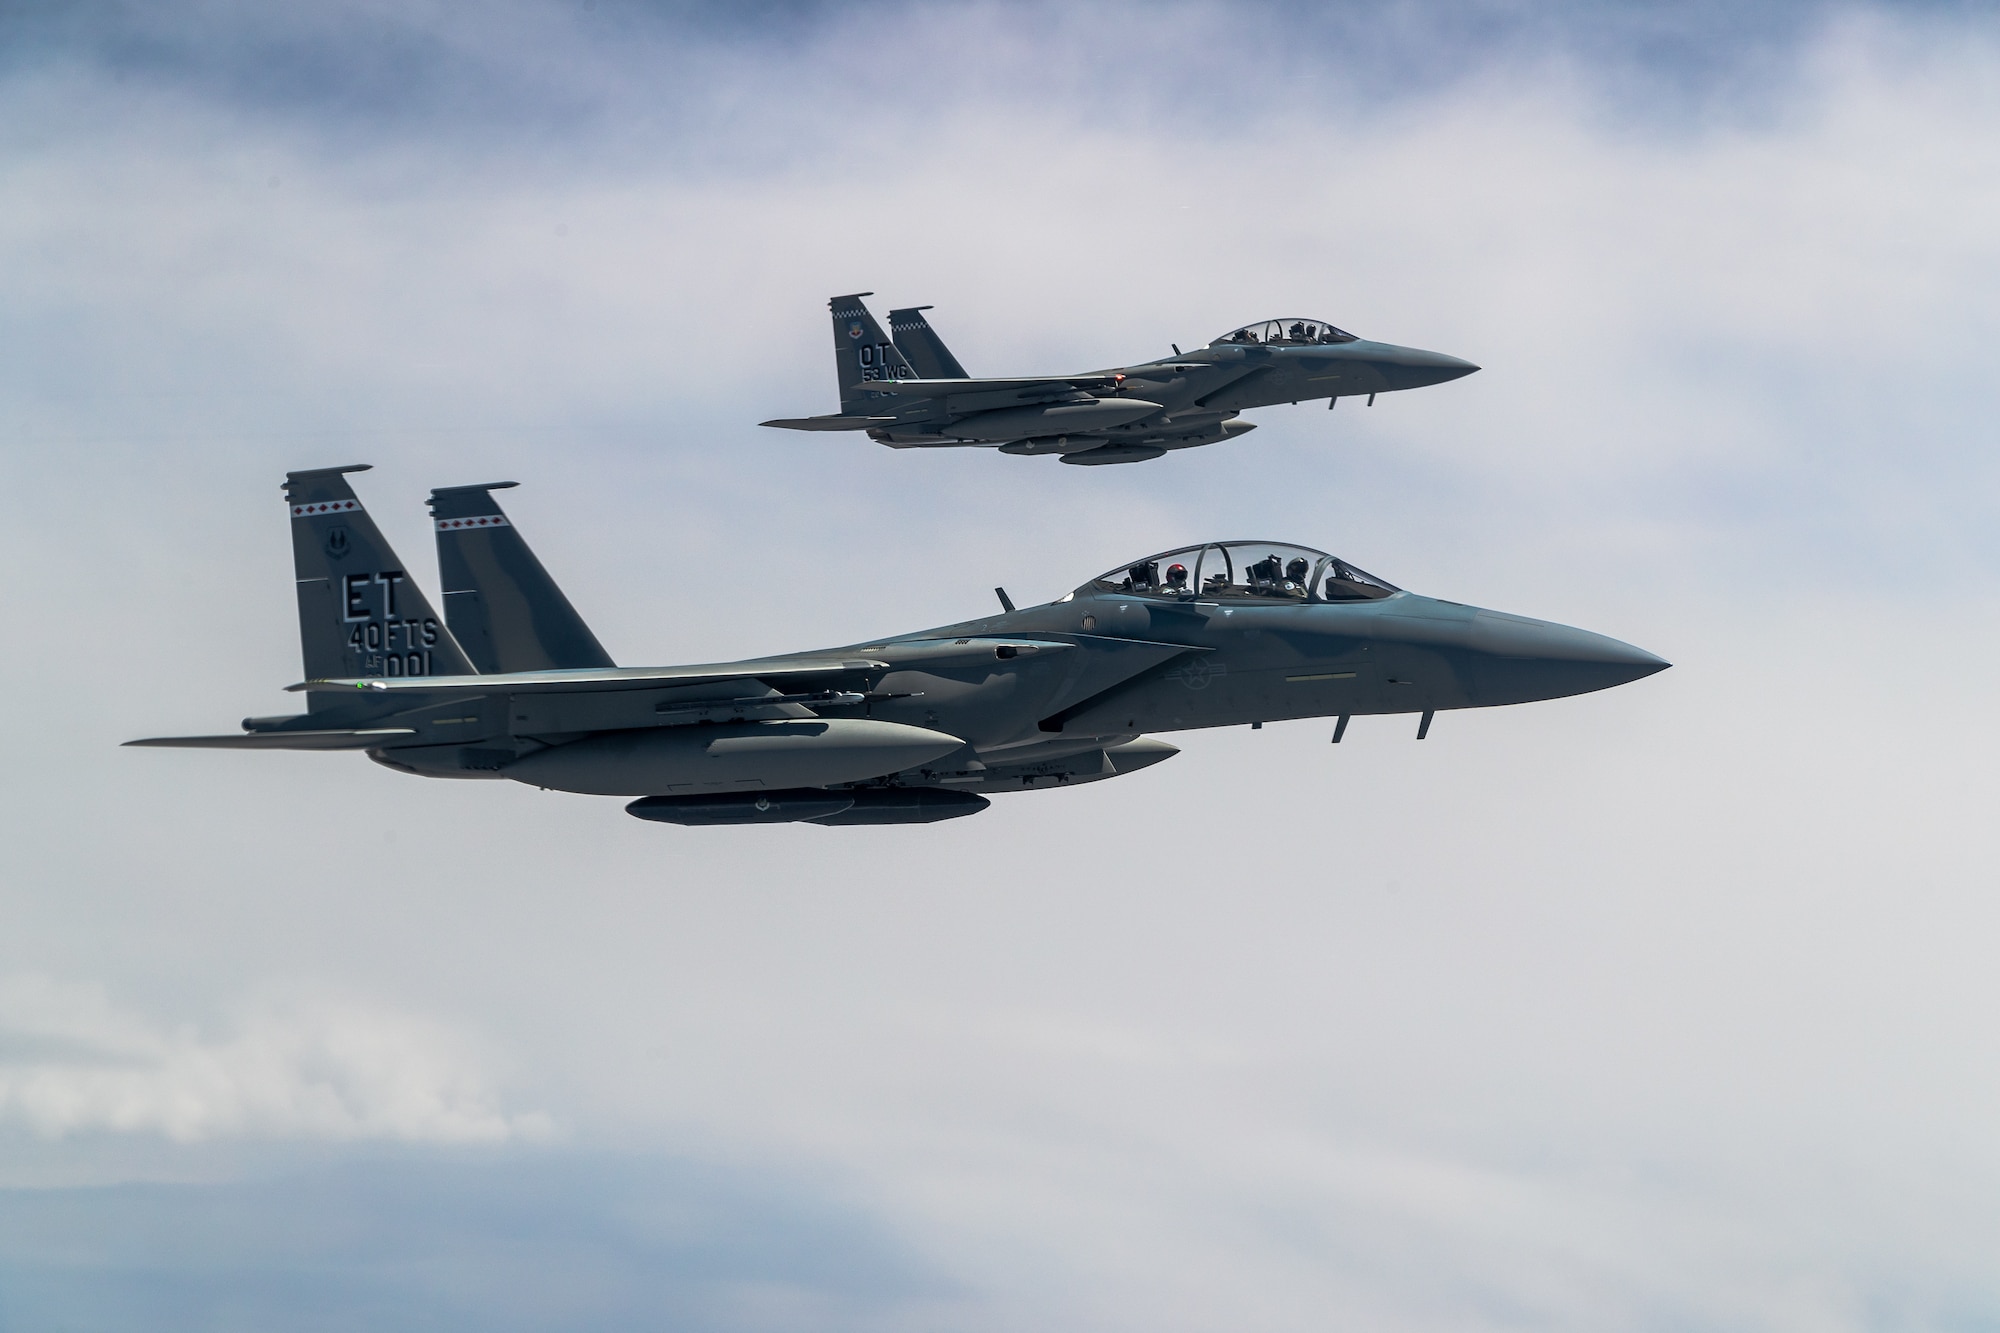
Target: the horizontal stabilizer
(282, 740)
(611, 678)
(835, 422)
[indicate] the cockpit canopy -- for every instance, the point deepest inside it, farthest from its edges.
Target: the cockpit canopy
(1240, 571)
(1286, 333)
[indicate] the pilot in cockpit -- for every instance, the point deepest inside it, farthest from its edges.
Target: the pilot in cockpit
(1177, 578)
(1295, 577)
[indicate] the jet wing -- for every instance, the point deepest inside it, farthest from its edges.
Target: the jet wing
(833, 422)
(282, 740)
(949, 388)
(606, 678)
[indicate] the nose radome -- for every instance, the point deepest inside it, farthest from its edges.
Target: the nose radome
(1449, 368)
(1414, 368)
(1516, 659)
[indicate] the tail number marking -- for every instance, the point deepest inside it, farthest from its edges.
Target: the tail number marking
(874, 360)
(384, 643)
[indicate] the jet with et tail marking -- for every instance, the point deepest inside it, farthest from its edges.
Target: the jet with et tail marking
(510, 684)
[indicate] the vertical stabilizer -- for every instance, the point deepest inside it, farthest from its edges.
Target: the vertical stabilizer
(921, 347)
(360, 614)
(862, 352)
(500, 603)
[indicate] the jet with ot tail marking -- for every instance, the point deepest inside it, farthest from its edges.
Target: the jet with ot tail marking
(906, 389)
(510, 684)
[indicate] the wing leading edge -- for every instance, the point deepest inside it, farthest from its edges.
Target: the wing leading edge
(360, 739)
(613, 678)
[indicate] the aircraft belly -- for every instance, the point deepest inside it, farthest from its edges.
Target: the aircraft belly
(1094, 414)
(1260, 388)
(481, 759)
(993, 400)
(980, 710)
(737, 757)
(1194, 694)
(620, 710)
(1216, 692)
(1007, 706)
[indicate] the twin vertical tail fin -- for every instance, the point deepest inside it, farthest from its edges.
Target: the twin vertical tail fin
(921, 347)
(360, 613)
(862, 352)
(499, 602)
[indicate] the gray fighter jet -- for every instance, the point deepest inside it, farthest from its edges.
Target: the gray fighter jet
(906, 729)
(908, 391)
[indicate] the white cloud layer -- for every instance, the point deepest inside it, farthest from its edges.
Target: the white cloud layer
(1668, 1007)
(73, 1063)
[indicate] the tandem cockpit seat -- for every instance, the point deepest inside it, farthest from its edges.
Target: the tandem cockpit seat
(1286, 333)
(1345, 583)
(1143, 577)
(1246, 571)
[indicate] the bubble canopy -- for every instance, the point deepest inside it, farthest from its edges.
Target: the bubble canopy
(1286, 333)
(1246, 571)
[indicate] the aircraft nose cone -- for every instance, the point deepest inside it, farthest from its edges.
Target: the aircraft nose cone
(1414, 368)
(1448, 368)
(1515, 660)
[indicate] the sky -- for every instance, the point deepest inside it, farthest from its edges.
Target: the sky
(1667, 1008)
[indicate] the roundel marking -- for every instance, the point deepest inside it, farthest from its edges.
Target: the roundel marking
(1197, 674)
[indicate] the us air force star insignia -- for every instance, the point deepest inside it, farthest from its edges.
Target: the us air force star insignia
(1196, 674)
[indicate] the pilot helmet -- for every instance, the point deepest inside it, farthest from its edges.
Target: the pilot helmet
(1176, 574)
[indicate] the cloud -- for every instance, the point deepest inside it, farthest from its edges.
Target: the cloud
(73, 1063)
(479, 1239)
(1658, 1008)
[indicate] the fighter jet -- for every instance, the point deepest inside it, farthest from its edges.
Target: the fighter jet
(912, 728)
(908, 391)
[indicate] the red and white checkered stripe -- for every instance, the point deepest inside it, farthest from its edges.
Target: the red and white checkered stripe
(478, 521)
(324, 507)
